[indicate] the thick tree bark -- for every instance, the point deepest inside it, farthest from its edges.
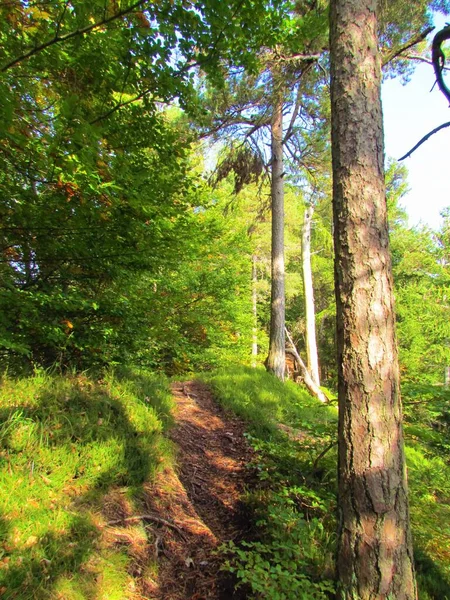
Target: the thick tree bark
(277, 356)
(311, 342)
(254, 311)
(375, 558)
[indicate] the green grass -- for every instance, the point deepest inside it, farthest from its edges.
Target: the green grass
(72, 446)
(264, 401)
(66, 443)
(295, 504)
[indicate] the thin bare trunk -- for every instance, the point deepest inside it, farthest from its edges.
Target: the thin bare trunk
(375, 560)
(277, 357)
(254, 311)
(311, 342)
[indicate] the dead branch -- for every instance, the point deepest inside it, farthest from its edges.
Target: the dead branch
(424, 139)
(415, 39)
(312, 387)
(438, 59)
(427, 61)
(148, 517)
(322, 454)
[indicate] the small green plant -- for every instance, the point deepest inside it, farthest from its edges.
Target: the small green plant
(427, 433)
(288, 559)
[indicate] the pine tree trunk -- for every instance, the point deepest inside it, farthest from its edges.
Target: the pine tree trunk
(311, 342)
(277, 357)
(254, 311)
(375, 559)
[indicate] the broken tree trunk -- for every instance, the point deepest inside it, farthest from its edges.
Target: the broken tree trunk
(309, 382)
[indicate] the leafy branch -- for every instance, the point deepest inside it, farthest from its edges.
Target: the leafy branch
(63, 38)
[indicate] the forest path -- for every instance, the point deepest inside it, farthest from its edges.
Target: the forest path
(203, 499)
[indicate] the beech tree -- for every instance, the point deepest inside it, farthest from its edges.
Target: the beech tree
(95, 184)
(375, 558)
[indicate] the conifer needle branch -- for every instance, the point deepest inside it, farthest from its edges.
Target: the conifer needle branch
(424, 139)
(298, 100)
(415, 39)
(63, 38)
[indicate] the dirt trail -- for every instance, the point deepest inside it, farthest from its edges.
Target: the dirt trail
(201, 503)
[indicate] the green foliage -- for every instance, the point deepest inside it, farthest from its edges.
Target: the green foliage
(114, 250)
(421, 280)
(427, 429)
(99, 190)
(279, 567)
(399, 23)
(155, 274)
(264, 401)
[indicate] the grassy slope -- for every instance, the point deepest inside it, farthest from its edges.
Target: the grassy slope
(298, 485)
(73, 453)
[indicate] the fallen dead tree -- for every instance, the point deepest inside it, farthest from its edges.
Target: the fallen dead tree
(307, 379)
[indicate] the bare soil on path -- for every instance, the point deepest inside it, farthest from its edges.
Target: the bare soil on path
(199, 506)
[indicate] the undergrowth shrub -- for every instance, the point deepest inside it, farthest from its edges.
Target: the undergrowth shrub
(287, 559)
(427, 432)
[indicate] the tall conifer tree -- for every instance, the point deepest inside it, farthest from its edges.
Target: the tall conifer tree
(375, 558)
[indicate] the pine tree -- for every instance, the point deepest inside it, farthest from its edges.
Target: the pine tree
(375, 548)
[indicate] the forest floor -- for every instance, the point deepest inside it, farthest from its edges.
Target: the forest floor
(200, 505)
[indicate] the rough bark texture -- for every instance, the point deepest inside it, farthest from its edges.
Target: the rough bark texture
(276, 359)
(375, 551)
(311, 342)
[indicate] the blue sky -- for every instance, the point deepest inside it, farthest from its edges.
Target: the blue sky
(410, 112)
